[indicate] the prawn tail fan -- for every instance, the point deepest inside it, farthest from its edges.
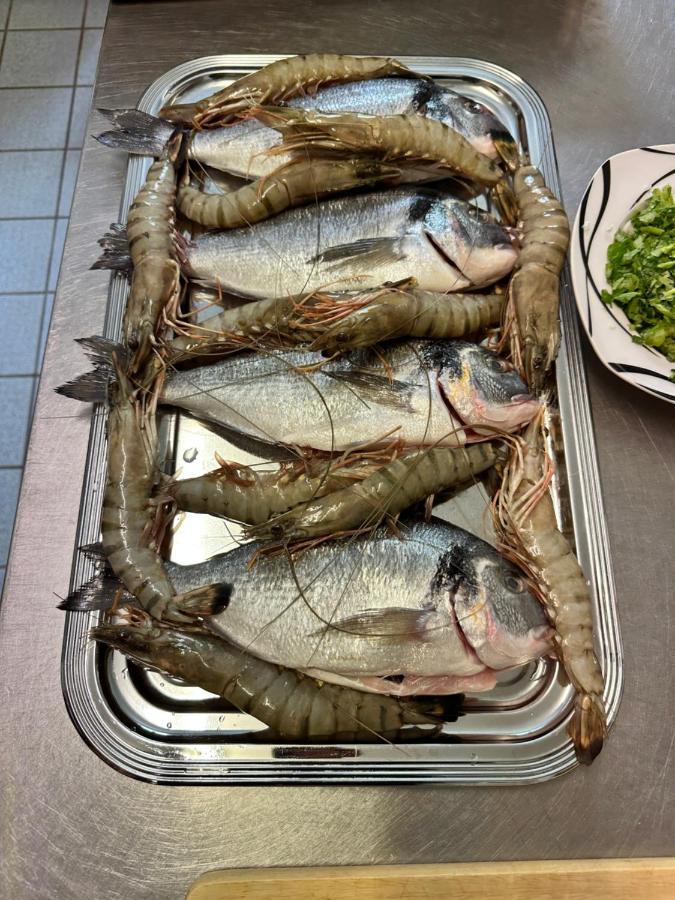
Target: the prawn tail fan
(204, 601)
(588, 728)
(436, 709)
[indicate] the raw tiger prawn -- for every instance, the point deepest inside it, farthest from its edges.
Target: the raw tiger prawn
(532, 323)
(528, 532)
(293, 705)
(294, 184)
(127, 516)
(410, 147)
(409, 479)
(243, 494)
(281, 80)
(152, 247)
(402, 139)
(339, 322)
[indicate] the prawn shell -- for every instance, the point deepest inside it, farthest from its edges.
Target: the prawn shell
(294, 706)
(398, 138)
(251, 497)
(525, 520)
(534, 289)
(281, 80)
(293, 185)
(401, 483)
(337, 323)
(151, 238)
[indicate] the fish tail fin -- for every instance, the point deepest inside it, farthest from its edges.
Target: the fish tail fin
(115, 246)
(100, 350)
(136, 132)
(100, 592)
(93, 386)
(93, 551)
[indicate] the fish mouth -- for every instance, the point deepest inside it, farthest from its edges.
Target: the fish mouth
(494, 645)
(444, 255)
(481, 265)
(509, 416)
(522, 409)
(468, 647)
(488, 420)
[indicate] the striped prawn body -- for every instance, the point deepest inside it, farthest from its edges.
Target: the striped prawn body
(156, 274)
(409, 479)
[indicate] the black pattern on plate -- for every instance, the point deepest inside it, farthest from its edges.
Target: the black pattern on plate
(637, 370)
(655, 182)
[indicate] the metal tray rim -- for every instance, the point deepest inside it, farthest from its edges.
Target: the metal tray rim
(138, 757)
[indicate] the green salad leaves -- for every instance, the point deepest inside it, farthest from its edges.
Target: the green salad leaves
(641, 272)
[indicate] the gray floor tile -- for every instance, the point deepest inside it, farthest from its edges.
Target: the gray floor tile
(46, 14)
(91, 45)
(59, 240)
(29, 182)
(69, 178)
(10, 482)
(20, 321)
(24, 254)
(46, 322)
(97, 10)
(32, 58)
(4, 9)
(16, 407)
(34, 118)
(78, 123)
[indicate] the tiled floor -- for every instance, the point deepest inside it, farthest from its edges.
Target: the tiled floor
(48, 56)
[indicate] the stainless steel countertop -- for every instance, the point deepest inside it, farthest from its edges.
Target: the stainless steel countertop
(72, 826)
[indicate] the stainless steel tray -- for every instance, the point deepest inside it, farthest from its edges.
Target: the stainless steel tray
(157, 729)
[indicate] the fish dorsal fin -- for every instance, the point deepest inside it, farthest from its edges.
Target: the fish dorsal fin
(394, 623)
(376, 251)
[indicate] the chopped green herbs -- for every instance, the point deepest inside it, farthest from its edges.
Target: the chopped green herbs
(641, 272)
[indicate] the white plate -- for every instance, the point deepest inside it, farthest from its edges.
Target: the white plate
(619, 184)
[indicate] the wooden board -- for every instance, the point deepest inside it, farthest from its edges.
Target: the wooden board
(599, 879)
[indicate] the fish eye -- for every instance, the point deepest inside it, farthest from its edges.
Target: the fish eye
(497, 364)
(515, 584)
(472, 106)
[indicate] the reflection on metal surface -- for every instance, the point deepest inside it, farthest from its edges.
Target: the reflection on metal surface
(158, 729)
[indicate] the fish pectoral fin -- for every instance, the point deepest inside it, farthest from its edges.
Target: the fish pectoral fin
(377, 251)
(377, 388)
(393, 623)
